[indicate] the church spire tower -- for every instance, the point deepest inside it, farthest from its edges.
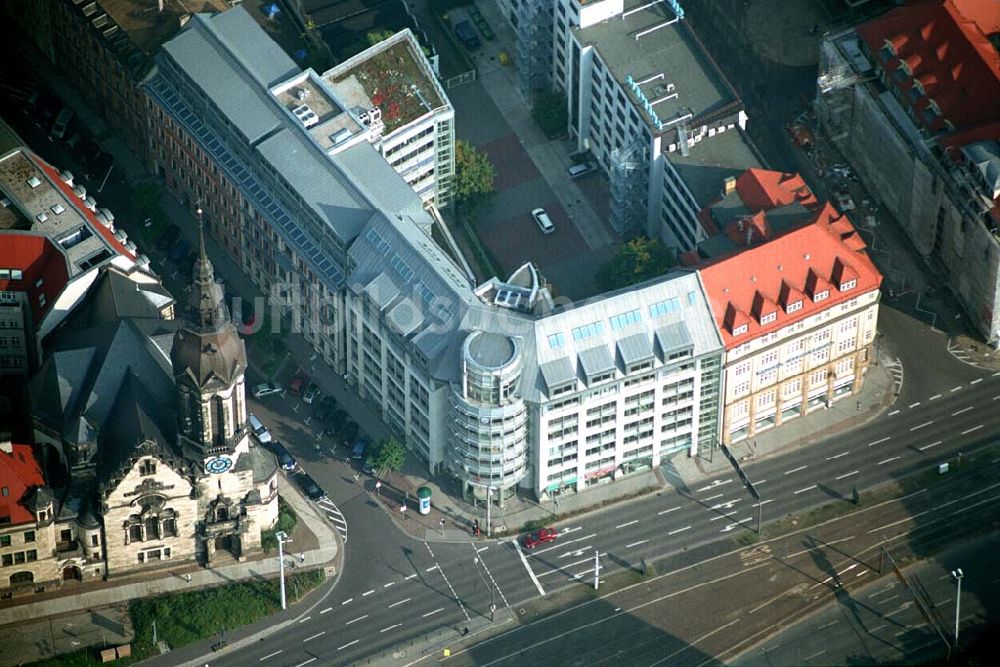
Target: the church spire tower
(209, 362)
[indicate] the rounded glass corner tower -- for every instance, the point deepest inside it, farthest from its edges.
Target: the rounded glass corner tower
(489, 431)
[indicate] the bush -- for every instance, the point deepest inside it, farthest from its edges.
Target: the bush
(286, 522)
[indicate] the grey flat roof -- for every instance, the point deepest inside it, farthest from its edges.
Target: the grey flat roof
(490, 349)
(707, 165)
(669, 50)
(674, 338)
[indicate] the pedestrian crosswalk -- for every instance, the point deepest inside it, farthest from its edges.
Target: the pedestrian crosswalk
(895, 368)
(334, 515)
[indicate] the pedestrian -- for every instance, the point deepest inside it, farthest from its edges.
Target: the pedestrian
(465, 631)
(859, 406)
(187, 577)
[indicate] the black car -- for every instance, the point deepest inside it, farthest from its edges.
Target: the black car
(285, 459)
(310, 486)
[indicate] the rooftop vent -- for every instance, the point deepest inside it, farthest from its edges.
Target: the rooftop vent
(67, 177)
(142, 261)
(340, 136)
(79, 191)
(107, 214)
(42, 217)
(89, 203)
(34, 182)
(306, 115)
(302, 94)
(58, 209)
(103, 219)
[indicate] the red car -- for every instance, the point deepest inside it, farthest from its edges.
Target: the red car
(532, 540)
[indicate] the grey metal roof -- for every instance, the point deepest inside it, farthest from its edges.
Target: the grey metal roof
(674, 337)
(381, 290)
(635, 348)
(704, 169)
(557, 372)
(596, 360)
(405, 317)
(491, 349)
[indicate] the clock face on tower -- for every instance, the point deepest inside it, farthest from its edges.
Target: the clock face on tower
(219, 464)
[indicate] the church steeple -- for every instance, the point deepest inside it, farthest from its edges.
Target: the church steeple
(206, 303)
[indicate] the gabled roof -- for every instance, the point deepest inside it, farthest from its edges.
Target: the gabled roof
(763, 189)
(948, 53)
(20, 473)
(114, 296)
(792, 268)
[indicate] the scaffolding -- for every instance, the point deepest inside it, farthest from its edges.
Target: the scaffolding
(629, 168)
(534, 46)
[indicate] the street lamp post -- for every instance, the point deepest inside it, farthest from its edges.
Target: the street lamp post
(282, 538)
(958, 574)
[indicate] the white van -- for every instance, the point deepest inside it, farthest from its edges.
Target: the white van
(259, 430)
(543, 220)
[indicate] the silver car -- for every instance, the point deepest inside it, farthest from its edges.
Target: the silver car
(265, 389)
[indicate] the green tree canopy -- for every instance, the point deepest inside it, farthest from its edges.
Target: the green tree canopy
(549, 112)
(637, 260)
(376, 36)
(473, 176)
(391, 455)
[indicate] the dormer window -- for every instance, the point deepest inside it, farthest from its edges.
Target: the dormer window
(740, 330)
(794, 306)
(819, 296)
(770, 317)
(147, 467)
(888, 51)
(850, 284)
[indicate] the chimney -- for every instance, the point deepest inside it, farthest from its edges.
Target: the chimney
(6, 445)
(729, 185)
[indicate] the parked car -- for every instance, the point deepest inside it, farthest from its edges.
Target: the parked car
(180, 252)
(285, 459)
(297, 384)
(311, 488)
(582, 169)
(62, 123)
(358, 451)
(325, 407)
(369, 467)
(311, 393)
(265, 389)
(259, 430)
(466, 33)
(532, 540)
(543, 220)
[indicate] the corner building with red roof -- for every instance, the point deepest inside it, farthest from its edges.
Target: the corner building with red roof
(796, 311)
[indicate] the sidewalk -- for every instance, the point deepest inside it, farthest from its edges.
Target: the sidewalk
(69, 619)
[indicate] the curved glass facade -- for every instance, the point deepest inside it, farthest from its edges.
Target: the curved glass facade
(489, 422)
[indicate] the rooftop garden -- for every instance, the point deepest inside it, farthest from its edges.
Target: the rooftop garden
(397, 85)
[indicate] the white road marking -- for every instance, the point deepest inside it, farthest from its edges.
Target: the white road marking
(849, 474)
(718, 495)
(718, 482)
(894, 412)
(789, 472)
(861, 574)
(394, 625)
(588, 559)
(934, 397)
(368, 593)
(630, 523)
(872, 444)
(890, 459)
(954, 389)
(672, 509)
(955, 414)
(318, 634)
(763, 502)
(635, 544)
(341, 648)
(913, 405)
(723, 516)
(848, 568)
(479, 551)
(997, 397)
(431, 568)
(808, 488)
(431, 613)
(359, 618)
(920, 426)
(326, 610)
(410, 577)
(524, 561)
(303, 620)
(270, 655)
(388, 584)
(346, 601)
(976, 381)
(814, 655)
(396, 604)
(933, 444)
(970, 430)
(679, 530)
(763, 481)
(726, 505)
(563, 544)
(830, 458)
(305, 662)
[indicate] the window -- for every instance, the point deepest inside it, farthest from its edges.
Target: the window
(664, 307)
(588, 330)
(5, 492)
(794, 306)
(556, 340)
(819, 296)
(16, 274)
(147, 467)
(135, 533)
(625, 319)
(4, 540)
(770, 317)
(29, 536)
(8, 559)
(740, 330)
(850, 284)
(93, 540)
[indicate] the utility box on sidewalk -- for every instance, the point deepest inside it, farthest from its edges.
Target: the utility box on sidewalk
(424, 498)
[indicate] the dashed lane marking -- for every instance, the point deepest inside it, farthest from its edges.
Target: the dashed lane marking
(955, 414)
(326, 610)
(672, 509)
(410, 577)
(933, 444)
(894, 412)
(341, 648)
(830, 458)
(888, 460)
(954, 389)
(970, 430)
(635, 544)
(679, 530)
(270, 655)
(629, 523)
(789, 472)
(431, 613)
(367, 593)
(849, 474)
(396, 604)
(318, 634)
(976, 381)
(913, 405)
(877, 442)
(934, 397)
(920, 426)
(346, 601)
(359, 618)
(808, 488)
(305, 662)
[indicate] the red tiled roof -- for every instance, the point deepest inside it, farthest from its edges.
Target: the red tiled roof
(984, 13)
(91, 218)
(821, 255)
(39, 259)
(19, 473)
(762, 190)
(947, 52)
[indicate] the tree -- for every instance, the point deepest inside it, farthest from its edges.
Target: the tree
(549, 112)
(637, 260)
(376, 36)
(390, 456)
(473, 177)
